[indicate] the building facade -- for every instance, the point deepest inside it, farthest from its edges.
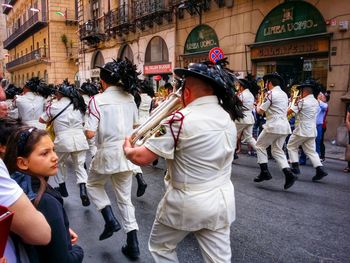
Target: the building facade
(298, 39)
(41, 40)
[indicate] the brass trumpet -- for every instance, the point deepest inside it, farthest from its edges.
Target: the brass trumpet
(294, 96)
(262, 90)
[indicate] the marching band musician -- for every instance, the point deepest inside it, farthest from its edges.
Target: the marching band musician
(275, 130)
(68, 113)
(245, 125)
(304, 134)
(112, 116)
(31, 104)
(198, 143)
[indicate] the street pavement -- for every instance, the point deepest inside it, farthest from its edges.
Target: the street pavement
(310, 222)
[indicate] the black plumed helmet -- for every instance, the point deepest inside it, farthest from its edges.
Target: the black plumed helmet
(89, 88)
(11, 91)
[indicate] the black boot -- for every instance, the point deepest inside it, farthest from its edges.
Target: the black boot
(264, 174)
(320, 173)
(295, 168)
(83, 195)
(62, 189)
(141, 185)
(131, 248)
(290, 178)
(112, 224)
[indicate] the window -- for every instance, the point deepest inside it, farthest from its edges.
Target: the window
(95, 6)
(156, 51)
(98, 60)
(126, 52)
(27, 75)
(46, 76)
(38, 74)
(37, 45)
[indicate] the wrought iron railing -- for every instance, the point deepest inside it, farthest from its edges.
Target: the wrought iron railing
(144, 8)
(118, 18)
(35, 55)
(31, 22)
(92, 31)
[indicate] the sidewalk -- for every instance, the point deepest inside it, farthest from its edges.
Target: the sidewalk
(334, 151)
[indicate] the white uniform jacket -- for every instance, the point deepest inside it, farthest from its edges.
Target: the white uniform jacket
(248, 101)
(200, 193)
(68, 126)
(144, 107)
(306, 112)
(112, 115)
(30, 108)
(275, 107)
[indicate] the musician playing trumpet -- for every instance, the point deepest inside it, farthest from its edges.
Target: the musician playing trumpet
(304, 134)
(198, 143)
(275, 131)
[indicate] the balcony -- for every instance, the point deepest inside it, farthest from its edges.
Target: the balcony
(36, 56)
(91, 32)
(31, 26)
(119, 21)
(5, 9)
(148, 12)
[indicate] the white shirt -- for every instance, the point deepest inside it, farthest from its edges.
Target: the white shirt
(144, 107)
(112, 115)
(68, 126)
(202, 158)
(30, 108)
(248, 101)
(9, 194)
(305, 119)
(275, 107)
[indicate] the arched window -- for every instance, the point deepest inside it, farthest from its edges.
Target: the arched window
(97, 60)
(46, 76)
(38, 74)
(126, 52)
(157, 51)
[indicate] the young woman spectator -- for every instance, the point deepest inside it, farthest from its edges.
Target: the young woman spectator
(30, 152)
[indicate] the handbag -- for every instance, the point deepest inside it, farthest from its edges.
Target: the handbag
(49, 126)
(347, 153)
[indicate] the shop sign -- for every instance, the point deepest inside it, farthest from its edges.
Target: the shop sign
(291, 19)
(187, 59)
(157, 69)
(95, 73)
(201, 39)
(292, 48)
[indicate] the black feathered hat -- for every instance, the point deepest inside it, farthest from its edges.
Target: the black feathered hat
(201, 71)
(33, 84)
(274, 75)
(245, 83)
(89, 88)
(310, 83)
(65, 89)
(11, 91)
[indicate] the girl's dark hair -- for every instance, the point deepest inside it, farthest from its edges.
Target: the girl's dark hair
(7, 127)
(21, 144)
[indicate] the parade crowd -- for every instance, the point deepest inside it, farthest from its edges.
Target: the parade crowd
(43, 127)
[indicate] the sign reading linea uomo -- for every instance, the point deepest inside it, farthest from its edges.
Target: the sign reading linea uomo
(201, 39)
(291, 19)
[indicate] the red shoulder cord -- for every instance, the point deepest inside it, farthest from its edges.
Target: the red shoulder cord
(176, 118)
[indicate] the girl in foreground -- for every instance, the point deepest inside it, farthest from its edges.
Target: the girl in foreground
(30, 159)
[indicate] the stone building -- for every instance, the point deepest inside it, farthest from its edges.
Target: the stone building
(298, 39)
(41, 40)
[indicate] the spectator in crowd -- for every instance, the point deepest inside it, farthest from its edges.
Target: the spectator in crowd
(323, 107)
(327, 95)
(30, 158)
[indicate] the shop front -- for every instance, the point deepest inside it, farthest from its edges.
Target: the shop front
(198, 44)
(293, 41)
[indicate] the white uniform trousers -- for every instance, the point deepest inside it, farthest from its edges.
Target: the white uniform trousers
(215, 245)
(247, 133)
(309, 146)
(122, 187)
(78, 159)
(276, 141)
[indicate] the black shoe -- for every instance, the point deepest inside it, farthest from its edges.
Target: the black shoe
(235, 156)
(131, 248)
(295, 168)
(264, 174)
(141, 185)
(62, 189)
(85, 201)
(290, 178)
(320, 173)
(111, 223)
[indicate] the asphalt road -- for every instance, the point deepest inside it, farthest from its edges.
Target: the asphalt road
(310, 222)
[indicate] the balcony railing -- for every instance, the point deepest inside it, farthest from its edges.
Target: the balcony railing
(35, 55)
(92, 32)
(119, 20)
(5, 9)
(32, 25)
(151, 11)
